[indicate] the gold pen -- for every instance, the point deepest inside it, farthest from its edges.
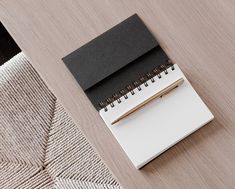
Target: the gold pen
(157, 95)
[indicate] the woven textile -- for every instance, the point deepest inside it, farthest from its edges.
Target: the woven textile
(40, 145)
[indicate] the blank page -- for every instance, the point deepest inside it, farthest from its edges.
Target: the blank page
(161, 123)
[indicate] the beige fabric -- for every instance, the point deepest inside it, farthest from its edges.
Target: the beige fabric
(40, 145)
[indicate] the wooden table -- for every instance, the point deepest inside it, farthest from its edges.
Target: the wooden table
(198, 35)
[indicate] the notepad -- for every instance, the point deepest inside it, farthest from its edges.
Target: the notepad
(162, 123)
(122, 68)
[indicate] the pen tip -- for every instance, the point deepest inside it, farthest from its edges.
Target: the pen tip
(115, 121)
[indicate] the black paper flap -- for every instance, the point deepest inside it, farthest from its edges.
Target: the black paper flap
(110, 52)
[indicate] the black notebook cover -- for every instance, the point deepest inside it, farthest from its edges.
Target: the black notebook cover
(115, 59)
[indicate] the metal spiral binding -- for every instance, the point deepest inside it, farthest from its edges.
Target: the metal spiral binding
(136, 84)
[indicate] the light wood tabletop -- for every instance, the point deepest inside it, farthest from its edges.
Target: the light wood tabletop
(197, 35)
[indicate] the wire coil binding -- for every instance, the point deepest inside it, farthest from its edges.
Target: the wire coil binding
(149, 76)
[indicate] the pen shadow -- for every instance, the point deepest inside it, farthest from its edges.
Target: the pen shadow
(182, 148)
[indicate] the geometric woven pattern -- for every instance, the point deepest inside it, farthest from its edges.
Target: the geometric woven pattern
(40, 145)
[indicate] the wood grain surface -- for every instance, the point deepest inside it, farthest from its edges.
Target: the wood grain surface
(198, 35)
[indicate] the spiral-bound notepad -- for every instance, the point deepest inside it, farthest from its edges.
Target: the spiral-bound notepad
(160, 124)
(122, 68)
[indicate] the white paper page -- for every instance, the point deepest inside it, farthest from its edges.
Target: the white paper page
(163, 122)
